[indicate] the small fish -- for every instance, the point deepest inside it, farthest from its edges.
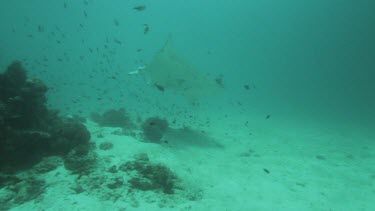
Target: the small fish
(117, 41)
(116, 22)
(146, 28)
(40, 28)
(135, 72)
(140, 7)
(160, 88)
(219, 81)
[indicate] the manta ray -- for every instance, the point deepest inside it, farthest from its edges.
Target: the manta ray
(169, 71)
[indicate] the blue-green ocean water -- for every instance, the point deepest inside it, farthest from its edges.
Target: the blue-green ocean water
(310, 61)
(301, 56)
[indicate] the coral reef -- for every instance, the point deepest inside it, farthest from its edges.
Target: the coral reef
(149, 176)
(154, 129)
(21, 190)
(80, 160)
(22, 100)
(106, 146)
(29, 131)
(113, 118)
(35, 141)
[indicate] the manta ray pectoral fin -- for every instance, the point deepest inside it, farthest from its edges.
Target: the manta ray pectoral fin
(169, 70)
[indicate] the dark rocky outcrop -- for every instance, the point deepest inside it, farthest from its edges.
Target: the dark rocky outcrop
(29, 131)
(154, 129)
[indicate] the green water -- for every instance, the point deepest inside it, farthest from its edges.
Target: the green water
(307, 61)
(310, 56)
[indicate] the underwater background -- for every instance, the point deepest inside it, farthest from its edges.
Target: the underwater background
(295, 67)
(303, 57)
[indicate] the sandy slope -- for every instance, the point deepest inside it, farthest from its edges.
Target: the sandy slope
(279, 166)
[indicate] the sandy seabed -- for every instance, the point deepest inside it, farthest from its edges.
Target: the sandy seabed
(273, 165)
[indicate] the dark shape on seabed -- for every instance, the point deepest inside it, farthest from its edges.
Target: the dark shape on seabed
(154, 129)
(81, 160)
(22, 190)
(113, 118)
(106, 146)
(149, 176)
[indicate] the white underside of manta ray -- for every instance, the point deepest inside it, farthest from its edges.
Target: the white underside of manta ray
(169, 71)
